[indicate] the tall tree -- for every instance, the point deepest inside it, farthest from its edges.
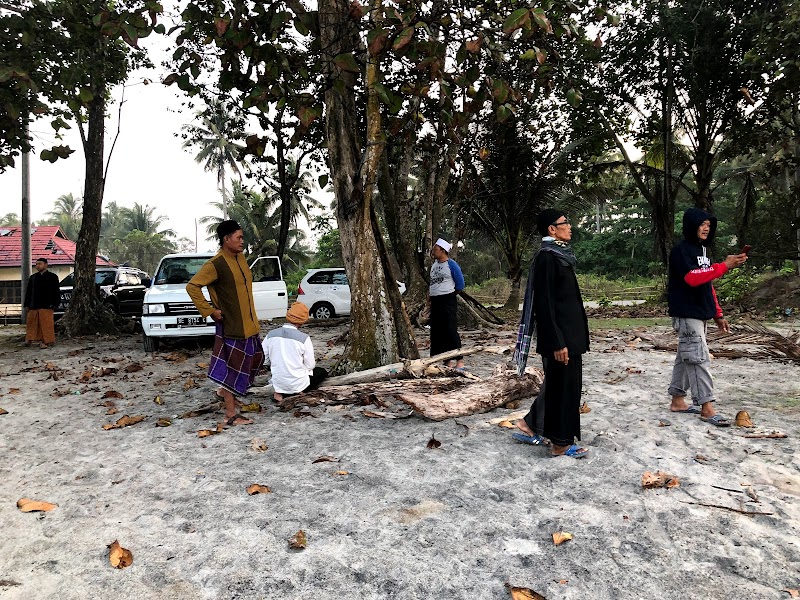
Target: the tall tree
(67, 214)
(73, 53)
(142, 218)
(218, 137)
(361, 67)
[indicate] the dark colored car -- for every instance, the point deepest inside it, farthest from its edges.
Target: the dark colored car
(122, 288)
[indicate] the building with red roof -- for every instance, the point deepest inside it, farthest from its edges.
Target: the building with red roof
(47, 241)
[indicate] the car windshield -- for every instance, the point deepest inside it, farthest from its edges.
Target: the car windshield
(178, 270)
(100, 278)
(105, 277)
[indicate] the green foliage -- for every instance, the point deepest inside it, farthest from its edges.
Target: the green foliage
(141, 249)
(67, 213)
(329, 251)
(736, 284)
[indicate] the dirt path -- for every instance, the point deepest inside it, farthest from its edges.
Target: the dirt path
(405, 521)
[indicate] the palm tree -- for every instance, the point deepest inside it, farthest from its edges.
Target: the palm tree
(218, 136)
(259, 217)
(140, 218)
(67, 213)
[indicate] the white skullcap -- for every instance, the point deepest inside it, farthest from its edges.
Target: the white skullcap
(444, 245)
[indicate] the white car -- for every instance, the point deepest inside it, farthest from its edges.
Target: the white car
(168, 310)
(326, 292)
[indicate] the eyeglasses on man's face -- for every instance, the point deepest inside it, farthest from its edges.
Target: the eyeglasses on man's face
(559, 223)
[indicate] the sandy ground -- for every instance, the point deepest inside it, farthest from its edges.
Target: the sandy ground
(405, 521)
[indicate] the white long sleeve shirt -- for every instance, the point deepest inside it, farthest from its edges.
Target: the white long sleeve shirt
(290, 354)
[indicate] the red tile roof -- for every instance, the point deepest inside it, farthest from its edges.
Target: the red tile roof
(47, 241)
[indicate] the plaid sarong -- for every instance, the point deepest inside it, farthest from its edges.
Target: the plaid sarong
(235, 363)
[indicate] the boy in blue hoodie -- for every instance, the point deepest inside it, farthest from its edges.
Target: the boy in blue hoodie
(692, 302)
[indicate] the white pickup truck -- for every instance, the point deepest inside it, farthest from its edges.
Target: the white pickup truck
(168, 312)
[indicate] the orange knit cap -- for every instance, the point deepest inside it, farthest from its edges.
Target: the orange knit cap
(297, 314)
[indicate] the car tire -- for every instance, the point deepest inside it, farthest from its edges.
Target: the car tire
(150, 343)
(323, 310)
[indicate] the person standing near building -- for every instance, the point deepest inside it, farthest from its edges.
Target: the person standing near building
(692, 302)
(445, 282)
(237, 356)
(42, 296)
(553, 314)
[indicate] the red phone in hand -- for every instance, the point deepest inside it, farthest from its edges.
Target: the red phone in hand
(746, 249)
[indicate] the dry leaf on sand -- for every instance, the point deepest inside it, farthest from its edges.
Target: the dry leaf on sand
(559, 537)
(163, 422)
(112, 410)
(342, 473)
(325, 458)
(507, 424)
(207, 432)
(659, 479)
(257, 488)
(112, 394)
(793, 593)
(253, 407)
(258, 445)
(158, 400)
(585, 408)
(13, 390)
(433, 443)
(3, 411)
(298, 540)
(202, 365)
(521, 593)
(743, 419)
(133, 367)
(86, 376)
(374, 415)
(118, 556)
(125, 421)
(189, 384)
(28, 505)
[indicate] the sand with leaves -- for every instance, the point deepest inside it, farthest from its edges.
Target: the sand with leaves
(384, 515)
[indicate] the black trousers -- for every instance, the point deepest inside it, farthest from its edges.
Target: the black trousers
(317, 377)
(556, 412)
(444, 324)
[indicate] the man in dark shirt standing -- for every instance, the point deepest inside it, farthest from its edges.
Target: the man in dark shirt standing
(42, 296)
(553, 315)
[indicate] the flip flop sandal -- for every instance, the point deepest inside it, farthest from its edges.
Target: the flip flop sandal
(573, 451)
(232, 420)
(717, 421)
(692, 410)
(533, 440)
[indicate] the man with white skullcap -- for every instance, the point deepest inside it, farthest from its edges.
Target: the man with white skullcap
(445, 282)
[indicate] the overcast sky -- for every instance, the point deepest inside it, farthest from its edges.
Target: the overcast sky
(148, 165)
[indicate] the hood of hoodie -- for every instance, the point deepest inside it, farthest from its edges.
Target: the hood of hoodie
(692, 219)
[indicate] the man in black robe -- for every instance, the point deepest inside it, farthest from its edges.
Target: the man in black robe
(553, 313)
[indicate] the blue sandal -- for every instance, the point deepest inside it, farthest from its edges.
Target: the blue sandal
(573, 451)
(692, 410)
(533, 440)
(717, 420)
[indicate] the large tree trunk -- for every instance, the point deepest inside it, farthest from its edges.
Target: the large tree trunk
(373, 339)
(86, 314)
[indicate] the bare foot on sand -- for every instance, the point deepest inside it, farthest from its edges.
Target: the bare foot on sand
(278, 396)
(678, 404)
(237, 419)
(523, 427)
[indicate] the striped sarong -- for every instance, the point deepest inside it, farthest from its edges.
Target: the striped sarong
(235, 363)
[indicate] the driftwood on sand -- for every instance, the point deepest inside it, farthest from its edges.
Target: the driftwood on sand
(435, 398)
(408, 368)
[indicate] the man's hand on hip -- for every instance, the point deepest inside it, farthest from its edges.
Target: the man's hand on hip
(562, 356)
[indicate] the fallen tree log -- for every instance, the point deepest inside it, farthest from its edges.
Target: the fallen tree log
(436, 398)
(473, 398)
(409, 368)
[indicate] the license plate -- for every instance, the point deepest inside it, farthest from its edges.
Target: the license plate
(191, 321)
